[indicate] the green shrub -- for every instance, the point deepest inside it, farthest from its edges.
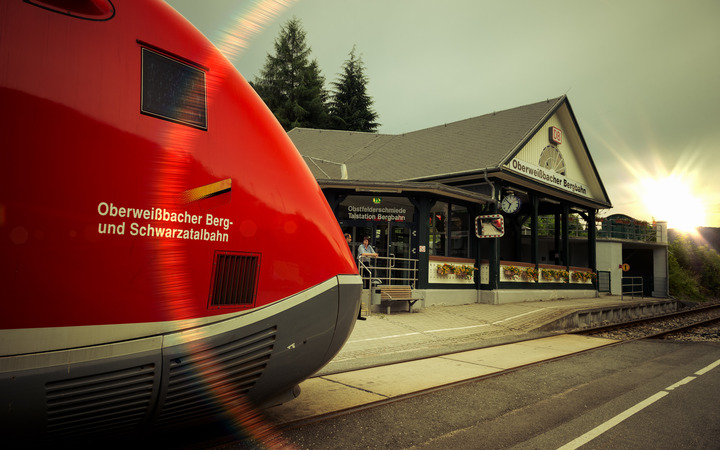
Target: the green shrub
(694, 270)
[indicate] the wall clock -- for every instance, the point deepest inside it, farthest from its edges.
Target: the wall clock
(510, 204)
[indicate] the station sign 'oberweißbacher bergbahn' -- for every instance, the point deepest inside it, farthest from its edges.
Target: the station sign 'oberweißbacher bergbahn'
(551, 167)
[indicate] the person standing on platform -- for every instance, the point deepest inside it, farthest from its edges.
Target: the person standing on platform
(366, 253)
(348, 238)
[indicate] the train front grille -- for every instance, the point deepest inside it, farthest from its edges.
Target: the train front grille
(214, 380)
(109, 403)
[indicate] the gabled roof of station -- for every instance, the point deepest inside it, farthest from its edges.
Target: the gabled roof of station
(498, 142)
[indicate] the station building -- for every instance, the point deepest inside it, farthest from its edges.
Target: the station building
(418, 196)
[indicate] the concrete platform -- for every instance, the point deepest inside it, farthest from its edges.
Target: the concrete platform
(399, 336)
(335, 392)
(453, 343)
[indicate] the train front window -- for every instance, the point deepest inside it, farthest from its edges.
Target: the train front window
(173, 90)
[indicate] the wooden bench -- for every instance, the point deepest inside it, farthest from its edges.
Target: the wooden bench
(397, 293)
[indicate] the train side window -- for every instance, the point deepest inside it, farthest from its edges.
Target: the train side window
(173, 90)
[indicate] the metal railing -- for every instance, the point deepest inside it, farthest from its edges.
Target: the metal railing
(388, 270)
(631, 233)
(630, 287)
(607, 230)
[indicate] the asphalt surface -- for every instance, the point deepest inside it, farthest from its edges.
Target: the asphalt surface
(551, 405)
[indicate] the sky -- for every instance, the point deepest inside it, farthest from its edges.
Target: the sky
(642, 77)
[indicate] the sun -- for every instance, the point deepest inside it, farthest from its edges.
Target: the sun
(672, 199)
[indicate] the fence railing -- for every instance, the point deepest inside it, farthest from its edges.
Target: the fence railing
(607, 230)
(632, 286)
(631, 233)
(388, 270)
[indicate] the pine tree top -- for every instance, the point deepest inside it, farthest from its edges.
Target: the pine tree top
(291, 84)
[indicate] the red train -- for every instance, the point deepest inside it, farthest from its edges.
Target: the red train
(165, 253)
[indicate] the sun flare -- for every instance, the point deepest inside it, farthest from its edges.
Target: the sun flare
(665, 188)
(247, 23)
(672, 199)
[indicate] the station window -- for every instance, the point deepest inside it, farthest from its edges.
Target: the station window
(173, 90)
(459, 232)
(449, 230)
(438, 226)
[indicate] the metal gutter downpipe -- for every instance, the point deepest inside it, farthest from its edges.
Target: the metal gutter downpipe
(492, 186)
(343, 166)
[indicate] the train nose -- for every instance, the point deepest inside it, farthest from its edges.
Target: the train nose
(308, 335)
(349, 291)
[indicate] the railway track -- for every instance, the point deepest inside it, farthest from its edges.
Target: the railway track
(694, 324)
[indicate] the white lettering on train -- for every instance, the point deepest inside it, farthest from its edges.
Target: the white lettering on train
(167, 224)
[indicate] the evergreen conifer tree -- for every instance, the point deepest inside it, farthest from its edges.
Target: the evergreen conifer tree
(350, 105)
(290, 84)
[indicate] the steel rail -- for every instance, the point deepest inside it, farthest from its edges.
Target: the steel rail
(645, 320)
(699, 324)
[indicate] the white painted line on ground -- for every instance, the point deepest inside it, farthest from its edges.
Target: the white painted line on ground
(441, 329)
(708, 368)
(383, 337)
(600, 429)
(458, 328)
(685, 380)
(515, 317)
